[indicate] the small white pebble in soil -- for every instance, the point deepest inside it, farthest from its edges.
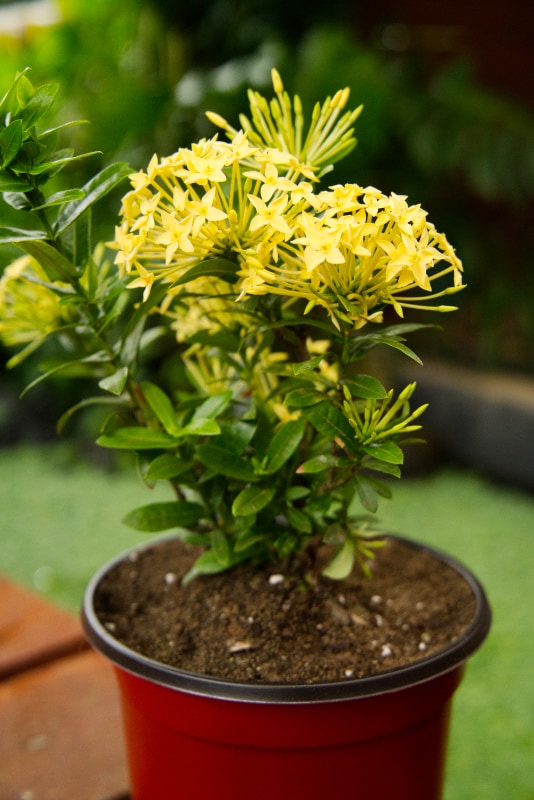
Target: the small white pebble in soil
(110, 626)
(386, 650)
(379, 619)
(376, 599)
(349, 673)
(341, 599)
(406, 627)
(422, 647)
(170, 578)
(276, 579)
(426, 637)
(250, 620)
(239, 647)
(419, 606)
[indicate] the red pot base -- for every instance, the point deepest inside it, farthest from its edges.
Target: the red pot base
(387, 747)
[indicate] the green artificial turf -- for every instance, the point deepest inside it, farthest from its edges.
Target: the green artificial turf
(60, 520)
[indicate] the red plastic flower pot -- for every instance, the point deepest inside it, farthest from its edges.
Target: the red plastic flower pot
(195, 737)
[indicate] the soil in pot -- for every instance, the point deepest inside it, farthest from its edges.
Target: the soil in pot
(267, 626)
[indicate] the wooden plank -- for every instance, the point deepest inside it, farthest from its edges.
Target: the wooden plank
(32, 631)
(60, 733)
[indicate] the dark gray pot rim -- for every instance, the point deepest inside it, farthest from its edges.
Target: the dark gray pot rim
(427, 668)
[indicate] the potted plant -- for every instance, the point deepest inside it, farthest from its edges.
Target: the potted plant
(277, 641)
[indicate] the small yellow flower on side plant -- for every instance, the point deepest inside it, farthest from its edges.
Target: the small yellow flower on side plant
(29, 308)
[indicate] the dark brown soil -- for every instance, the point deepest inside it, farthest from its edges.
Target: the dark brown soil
(263, 626)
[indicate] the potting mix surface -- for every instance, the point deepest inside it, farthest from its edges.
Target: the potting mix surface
(273, 626)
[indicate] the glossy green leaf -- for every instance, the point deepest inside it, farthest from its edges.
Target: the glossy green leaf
(163, 516)
(206, 564)
(19, 236)
(298, 520)
(54, 263)
(284, 444)
(166, 467)
(302, 398)
(366, 387)
(367, 494)
(388, 452)
(10, 141)
(307, 366)
(213, 406)
(161, 405)
(320, 464)
(329, 421)
(58, 163)
(252, 500)
(11, 183)
(59, 198)
(132, 438)
(94, 190)
(224, 461)
(201, 427)
(342, 563)
(115, 383)
(36, 105)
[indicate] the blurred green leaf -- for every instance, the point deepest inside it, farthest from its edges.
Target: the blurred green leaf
(252, 500)
(163, 516)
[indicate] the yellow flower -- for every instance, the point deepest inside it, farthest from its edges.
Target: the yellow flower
(271, 215)
(29, 307)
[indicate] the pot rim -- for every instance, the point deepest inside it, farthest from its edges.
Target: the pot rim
(427, 668)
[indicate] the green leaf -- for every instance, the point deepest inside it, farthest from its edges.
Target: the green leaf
(132, 438)
(100, 185)
(397, 345)
(88, 401)
(18, 200)
(165, 467)
(37, 104)
(302, 398)
(221, 548)
(6, 102)
(201, 427)
(224, 461)
(206, 564)
(212, 267)
(162, 516)
(367, 494)
(283, 444)
(10, 183)
(366, 387)
(307, 366)
(115, 383)
(10, 141)
(298, 520)
(57, 163)
(320, 463)
(329, 421)
(162, 407)
(213, 406)
(19, 235)
(388, 452)
(252, 500)
(342, 563)
(59, 198)
(54, 263)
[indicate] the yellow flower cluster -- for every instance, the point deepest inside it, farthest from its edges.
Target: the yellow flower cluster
(350, 250)
(30, 309)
